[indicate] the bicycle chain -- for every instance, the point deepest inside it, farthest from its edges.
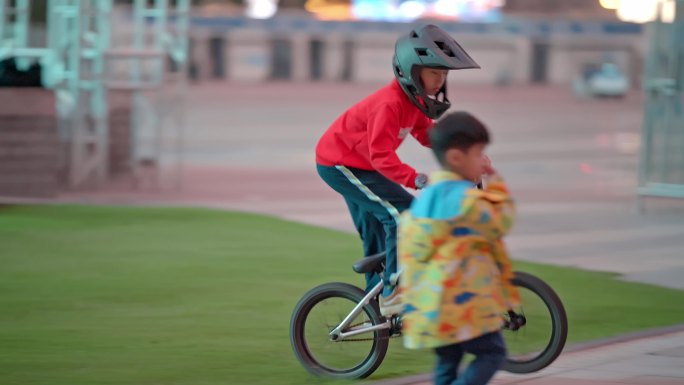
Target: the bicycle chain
(369, 339)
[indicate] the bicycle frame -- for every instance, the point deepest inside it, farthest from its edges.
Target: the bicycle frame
(514, 322)
(382, 328)
(337, 334)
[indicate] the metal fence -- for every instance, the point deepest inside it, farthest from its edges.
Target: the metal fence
(661, 165)
(82, 64)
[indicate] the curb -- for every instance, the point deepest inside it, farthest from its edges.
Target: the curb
(574, 348)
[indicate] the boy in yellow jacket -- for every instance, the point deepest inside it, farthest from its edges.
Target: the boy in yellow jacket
(456, 274)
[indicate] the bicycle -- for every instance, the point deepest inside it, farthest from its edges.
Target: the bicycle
(542, 318)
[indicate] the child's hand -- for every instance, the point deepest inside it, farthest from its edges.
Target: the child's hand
(487, 168)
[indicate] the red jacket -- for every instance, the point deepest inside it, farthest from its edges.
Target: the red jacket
(367, 135)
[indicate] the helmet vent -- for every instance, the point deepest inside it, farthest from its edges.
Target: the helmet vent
(422, 51)
(444, 48)
(399, 71)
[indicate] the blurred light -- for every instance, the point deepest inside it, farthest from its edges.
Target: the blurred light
(406, 10)
(643, 11)
(586, 168)
(261, 9)
(328, 10)
(371, 10)
(446, 8)
(637, 11)
(603, 140)
(610, 4)
(669, 9)
(628, 143)
(411, 9)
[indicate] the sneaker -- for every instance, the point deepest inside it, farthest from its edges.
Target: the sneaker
(391, 304)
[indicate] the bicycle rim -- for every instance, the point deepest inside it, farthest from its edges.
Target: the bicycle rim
(320, 311)
(539, 342)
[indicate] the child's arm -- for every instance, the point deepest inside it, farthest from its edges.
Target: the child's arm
(491, 215)
(420, 132)
(510, 292)
(491, 212)
(383, 139)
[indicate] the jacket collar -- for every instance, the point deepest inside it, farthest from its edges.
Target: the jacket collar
(444, 175)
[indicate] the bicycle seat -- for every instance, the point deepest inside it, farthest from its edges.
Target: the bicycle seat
(371, 263)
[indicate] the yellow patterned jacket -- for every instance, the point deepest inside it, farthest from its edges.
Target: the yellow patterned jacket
(456, 272)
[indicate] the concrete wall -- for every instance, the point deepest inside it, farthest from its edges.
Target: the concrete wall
(257, 55)
(31, 157)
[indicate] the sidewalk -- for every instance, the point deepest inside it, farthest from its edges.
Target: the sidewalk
(657, 360)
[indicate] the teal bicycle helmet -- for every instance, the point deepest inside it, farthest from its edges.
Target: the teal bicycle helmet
(428, 46)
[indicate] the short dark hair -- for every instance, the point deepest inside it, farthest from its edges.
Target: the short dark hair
(459, 130)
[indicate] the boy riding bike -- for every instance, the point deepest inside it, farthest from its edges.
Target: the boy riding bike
(356, 156)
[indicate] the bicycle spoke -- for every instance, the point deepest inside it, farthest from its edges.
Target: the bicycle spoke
(542, 327)
(337, 354)
(320, 311)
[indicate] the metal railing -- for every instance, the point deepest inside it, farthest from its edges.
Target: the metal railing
(77, 64)
(661, 163)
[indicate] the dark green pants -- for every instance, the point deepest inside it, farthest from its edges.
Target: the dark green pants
(374, 203)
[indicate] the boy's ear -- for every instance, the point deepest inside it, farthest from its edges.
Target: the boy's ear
(454, 156)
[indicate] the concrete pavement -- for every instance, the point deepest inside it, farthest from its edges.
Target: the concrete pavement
(654, 360)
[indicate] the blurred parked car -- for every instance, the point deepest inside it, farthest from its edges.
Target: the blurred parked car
(608, 81)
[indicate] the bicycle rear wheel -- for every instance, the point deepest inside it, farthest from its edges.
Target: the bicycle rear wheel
(320, 311)
(539, 342)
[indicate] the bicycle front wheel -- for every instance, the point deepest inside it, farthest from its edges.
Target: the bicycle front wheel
(320, 311)
(539, 342)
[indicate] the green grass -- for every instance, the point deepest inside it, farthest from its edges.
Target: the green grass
(92, 295)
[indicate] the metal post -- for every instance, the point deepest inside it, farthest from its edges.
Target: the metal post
(154, 92)
(179, 54)
(18, 29)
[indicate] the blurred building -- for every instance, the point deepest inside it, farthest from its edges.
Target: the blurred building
(576, 9)
(516, 42)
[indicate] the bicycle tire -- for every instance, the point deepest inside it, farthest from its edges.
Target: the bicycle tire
(559, 329)
(303, 352)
